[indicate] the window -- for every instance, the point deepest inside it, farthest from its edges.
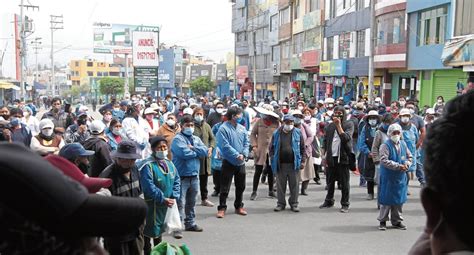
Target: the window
(360, 44)
(298, 43)
(297, 10)
(285, 16)
(274, 23)
(330, 48)
(285, 50)
(276, 53)
(314, 5)
(242, 12)
(360, 4)
(344, 45)
(432, 26)
(243, 60)
(464, 23)
(99, 74)
(90, 64)
(242, 37)
(391, 29)
(76, 63)
(332, 9)
(90, 74)
(312, 39)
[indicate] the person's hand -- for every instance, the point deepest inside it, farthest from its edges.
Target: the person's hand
(190, 146)
(209, 152)
(302, 165)
(7, 134)
(371, 155)
(336, 121)
(82, 129)
(169, 202)
(404, 168)
(240, 157)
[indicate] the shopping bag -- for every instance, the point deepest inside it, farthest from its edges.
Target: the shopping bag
(172, 220)
(165, 248)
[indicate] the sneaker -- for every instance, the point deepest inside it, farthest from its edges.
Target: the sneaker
(271, 194)
(207, 203)
(370, 197)
(215, 194)
(295, 209)
(220, 214)
(241, 211)
(253, 196)
(383, 225)
(318, 182)
(303, 192)
(400, 226)
(326, 205)
(177, 234)
(345, 209)
(194, 228)
(279, 208)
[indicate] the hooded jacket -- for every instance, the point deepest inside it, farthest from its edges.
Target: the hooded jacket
(101, 159)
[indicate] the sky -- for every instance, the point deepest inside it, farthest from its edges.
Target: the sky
(202, 26)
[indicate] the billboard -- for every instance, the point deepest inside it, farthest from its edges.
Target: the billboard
(116, 38)
(145, 49)
(166, 70)
(198, 71)
(242, 73)
(146, 78)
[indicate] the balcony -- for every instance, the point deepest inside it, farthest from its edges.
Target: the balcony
(284, 32)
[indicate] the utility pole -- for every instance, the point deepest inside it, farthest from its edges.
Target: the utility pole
(372, 51)
(36, 42)
(56, 24)
(254, 65)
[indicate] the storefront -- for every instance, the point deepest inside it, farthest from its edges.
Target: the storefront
(333, 79)
(447, 83)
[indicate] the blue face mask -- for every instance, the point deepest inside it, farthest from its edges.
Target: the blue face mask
(188, 131)
(297, 121)
(239, 119)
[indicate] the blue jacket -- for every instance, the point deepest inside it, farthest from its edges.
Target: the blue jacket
(297, 144)
(361, 144)
(393, 183)
(151, 179)
(233, 141)
(410, 136)
(216, 161)
(185, 159)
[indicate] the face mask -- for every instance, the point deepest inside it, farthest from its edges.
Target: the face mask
(348, 112)
(108, 118)
(297, 121)
(300, 108)
(5, 116)
(220, 110)
(171, 122)
(440, 101)
(395, 138)
(307, 118)
(404, 120)
(116, 109)
(327, 119)
(402, 103)
(116, 131)
(372, 122)
(239, 119)
(161, 154)
(377, 104)
(288, 128)
(198, 118)
(285, 111)
(15, 122)
(393, 111)
(330, 106)
(47, 132)
(188, 131)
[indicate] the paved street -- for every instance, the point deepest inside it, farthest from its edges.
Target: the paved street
(312, 231)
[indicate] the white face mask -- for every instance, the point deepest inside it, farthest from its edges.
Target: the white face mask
(372, 122)
(220, 110)
(348, 112)
(440, 101)
(405, 120)
(288, 128)
(161, 154)
(26, 114)
(198, 118)
(171, 122)
(47, 132)
(300, 108)
(402, 103)
(307, 118)
(395, 138)
(116, 131)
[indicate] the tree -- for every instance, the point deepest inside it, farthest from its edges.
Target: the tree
(131, 85)
(75, 91)
(202, 85)
(111, 86)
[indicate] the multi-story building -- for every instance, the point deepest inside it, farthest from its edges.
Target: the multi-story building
(83, 70)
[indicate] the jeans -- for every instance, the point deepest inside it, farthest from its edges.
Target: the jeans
(420, 173)
(340, 173)
(187, 200)
(230, 171)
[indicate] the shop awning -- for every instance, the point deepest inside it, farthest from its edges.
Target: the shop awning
(8, 85)
(459, 51)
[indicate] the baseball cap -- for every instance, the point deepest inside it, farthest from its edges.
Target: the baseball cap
(58, 203)
(123, 103)
(97, 127)
(288, 117)
(73, 150)
(92, 184)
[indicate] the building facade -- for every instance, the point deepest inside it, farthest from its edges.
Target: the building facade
(85, 69)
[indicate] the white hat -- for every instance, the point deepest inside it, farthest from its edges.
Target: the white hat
(266, 109)
(378, 99)
(296, 112)
(46, 123)
(404, 111)
(83, 108)
(329, 100)
(394, 127)
(373, 113)
(188, 111)
(97, 127)
(430, 111)
(320, 102)
(149, 110)
(154, 106)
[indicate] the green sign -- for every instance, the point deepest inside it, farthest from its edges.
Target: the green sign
(145, 78)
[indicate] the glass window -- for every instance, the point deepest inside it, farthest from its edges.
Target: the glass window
(76, 63)
(330, 48)
(274, 23)
(391, 28)
(297, 9)
(298, 43)
(360, 44)
(464, 23)
(90, 64)
(285, 16)
(332, 9)
(432, 26)
(276, 53)
(285, 50)
(360, 4)
(312, 39)
(314, 5)
(344, 45)
(90, 73)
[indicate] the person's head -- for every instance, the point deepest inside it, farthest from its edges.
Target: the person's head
(149, 114)
(187, 125)
(446, 197)
(329, 102)
(123, 106)
(297, 117)
(171, 120)
(219, 107)
(394, 107)
(234, 114)
(300, 106)
(373, 118)
(56, 104)
(308, 114)
(107, 115)
(288, 123)
(410, 105)
(97, 128)
(394, 132)
(405, 116)
(115, 126)
(198, 114)
(339, 112)
(159, 147)
(132, 111)
(4, 112)
(387, 120)
(46, 127)
(15, 117)
(125, 156)
(245, 103)
(440, 99)
(402, 101)
(27, 112)
(76, 154)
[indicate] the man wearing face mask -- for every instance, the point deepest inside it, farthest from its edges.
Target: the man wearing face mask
(187, 150)
(46, 142)
(395, 160)
(169, 130)
(133, 127)
(56, 115)
(288, 158)
(366, 158)
(215, 117)
(420, 126)
(78, 132)
(77, 155)
(329, 102)
(161, 187)
(20, 133)
(338, 148)
(107, 117)
(411, 137)
(125, 183)
(30, 120)
(99, 144)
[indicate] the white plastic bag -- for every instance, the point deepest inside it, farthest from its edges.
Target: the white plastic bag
(172, 220)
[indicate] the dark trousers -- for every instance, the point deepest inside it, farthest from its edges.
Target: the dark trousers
(203, 179)
(258, 174)
(370, 187)
(317, 168)
(216, 179)
(148, 246)
(338, 172)
(230, 171)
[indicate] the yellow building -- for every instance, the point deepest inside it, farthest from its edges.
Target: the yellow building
(83, 70)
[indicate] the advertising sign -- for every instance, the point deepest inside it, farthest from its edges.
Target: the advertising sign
(116, 38)
(221, 73)
(146, 78)
(242, 74)
(198, 71)
(325, 68)
(333, 68)
(145, 49)
(166, 77)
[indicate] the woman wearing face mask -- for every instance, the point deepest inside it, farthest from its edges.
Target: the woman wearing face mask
(46, 142)
(115, 134)
(153, 123)
(307, 173)
(169, 130)
(439, 105)
(364, 144)
(30, 121)
(411, 137)
(19, 131)
(395, 160)
(161, 187)
(312, 122)
(107, 117)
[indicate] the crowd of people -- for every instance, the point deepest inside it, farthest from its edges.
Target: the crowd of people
(164, 151)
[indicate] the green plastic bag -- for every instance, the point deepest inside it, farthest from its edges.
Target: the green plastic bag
(165, 248)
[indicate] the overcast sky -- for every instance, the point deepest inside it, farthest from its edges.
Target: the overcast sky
(203, 26)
